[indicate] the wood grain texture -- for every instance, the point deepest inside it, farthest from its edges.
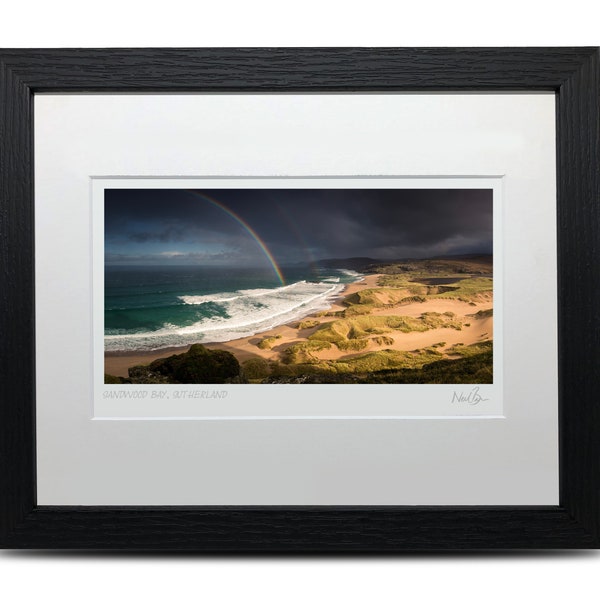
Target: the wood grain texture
(573, 73)
(578, 121)
(298, 529)
(294, 69)
(17, 350)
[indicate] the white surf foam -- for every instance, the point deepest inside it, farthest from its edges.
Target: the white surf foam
(230, 297)
(248, 312)
(350, 273)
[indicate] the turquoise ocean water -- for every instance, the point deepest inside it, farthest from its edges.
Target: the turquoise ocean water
(148, 307)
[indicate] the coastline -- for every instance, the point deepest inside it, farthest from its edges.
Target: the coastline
(243, 348)
(118, 362)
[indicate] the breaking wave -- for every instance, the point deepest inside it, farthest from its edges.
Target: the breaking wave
(244, 313)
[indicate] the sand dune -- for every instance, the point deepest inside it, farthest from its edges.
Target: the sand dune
(476, 330)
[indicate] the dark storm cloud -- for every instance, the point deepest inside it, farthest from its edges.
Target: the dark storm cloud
(170, 234)
(299, 224)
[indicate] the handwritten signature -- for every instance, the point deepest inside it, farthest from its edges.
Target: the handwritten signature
(472, 398)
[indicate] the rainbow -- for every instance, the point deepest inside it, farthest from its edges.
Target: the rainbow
(248, 228)
(311, 260)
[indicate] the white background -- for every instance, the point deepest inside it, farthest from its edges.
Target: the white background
(310, 23)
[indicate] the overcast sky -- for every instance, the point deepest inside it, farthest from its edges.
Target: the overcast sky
(184, 227)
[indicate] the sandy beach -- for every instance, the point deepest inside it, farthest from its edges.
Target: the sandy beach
(475, 329)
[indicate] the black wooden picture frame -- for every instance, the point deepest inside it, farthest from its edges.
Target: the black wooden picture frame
(573, 74)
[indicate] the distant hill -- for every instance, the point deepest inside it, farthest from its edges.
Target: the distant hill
(463, 263)
(357, 263)
(472, 264)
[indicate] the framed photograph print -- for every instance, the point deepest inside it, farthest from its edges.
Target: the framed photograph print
(300, 300)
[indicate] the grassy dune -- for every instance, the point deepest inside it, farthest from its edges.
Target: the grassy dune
(468, 289)
(359, 326)
(386, 330)
(343, 332)
(426, 365)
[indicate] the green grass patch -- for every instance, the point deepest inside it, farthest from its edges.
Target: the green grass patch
(391, 366)
(376, 297)
(308, 324)
(466, 289)
(382, 360)
(476, 369)
(355, 345)
(400, 280)
(472, 349)
(341, 331)
(356, 310)
(383, 340)
(469, 289)
(436, 320)
(302, 352)
(256, 369)
(412, 299)
(268, 342)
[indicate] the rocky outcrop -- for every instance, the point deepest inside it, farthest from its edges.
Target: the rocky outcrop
(197, 365)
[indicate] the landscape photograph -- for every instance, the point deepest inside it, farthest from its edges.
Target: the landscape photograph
(298, 286)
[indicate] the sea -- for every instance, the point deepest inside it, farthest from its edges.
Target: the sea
(151, 307)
